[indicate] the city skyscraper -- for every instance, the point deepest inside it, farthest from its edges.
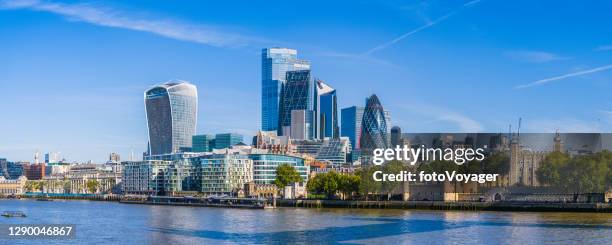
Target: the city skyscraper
(374, 133)
(296, 94)
(301, 124)
(396, 136)
(389, 125)
(275, 63)
(4, 168)
(326, 107)
(171, 110)
(351, 124)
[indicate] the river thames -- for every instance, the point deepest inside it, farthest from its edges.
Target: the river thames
(116, 223)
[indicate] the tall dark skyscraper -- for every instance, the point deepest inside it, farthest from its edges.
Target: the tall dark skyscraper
(275, 63)
(171, 116)
(374, 132)
(396, 136)
(4, 168)
(296, 94)
(326, 107)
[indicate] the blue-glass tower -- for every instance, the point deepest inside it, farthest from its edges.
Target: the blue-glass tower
(171, 110)
(275, 63)
(351, 124)
(326, 106)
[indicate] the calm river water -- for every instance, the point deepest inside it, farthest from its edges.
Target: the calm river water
(115, 223)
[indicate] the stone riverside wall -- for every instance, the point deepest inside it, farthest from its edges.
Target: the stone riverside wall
(439, 205)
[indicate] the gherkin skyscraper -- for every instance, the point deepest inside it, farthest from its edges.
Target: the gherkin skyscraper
(374, 133)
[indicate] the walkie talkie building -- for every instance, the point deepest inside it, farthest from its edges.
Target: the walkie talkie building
(171, 116)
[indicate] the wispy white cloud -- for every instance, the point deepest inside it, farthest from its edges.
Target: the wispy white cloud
(604, 48)
(420, 28)
(463, 122)
(533, 56)
(105, 16)
(573, 74)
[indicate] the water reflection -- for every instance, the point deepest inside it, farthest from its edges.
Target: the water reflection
(100, 222)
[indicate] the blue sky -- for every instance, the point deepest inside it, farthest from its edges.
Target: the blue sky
(73, 73)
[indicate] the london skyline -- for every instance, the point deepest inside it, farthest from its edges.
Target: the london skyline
(84, 97)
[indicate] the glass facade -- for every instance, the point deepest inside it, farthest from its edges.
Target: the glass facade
(326, 105)
(310, 147)
(220, 174)
(160, 177)
(211, 174)
(296, 94)
(226, 140)
(275, 63)
(171, 116)
(334, 151)
(14, 169)
(264, 167)
(389, 126)
(351, 124)
(374, 133)
(203, 143)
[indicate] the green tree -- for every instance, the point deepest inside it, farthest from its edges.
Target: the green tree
(392, 167)
(584, 174)
(579, 174)
(29, 186)
(315, 184)
(472, 167)
(330, 183)
(92, 185)
(286, 174)
(497, 163)
(367, 185)
(348, 184)
(33, 185)
(550, 170)
(606, 157)
(333, 183)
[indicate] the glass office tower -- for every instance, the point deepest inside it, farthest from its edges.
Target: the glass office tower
(171, 110)
(226, 140)
(203, 143)
(275, 63)
(351, 124)
(374, 133)
(326, 106)
(296, 94)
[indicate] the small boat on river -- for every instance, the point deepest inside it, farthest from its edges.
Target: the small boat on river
(10, 214)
